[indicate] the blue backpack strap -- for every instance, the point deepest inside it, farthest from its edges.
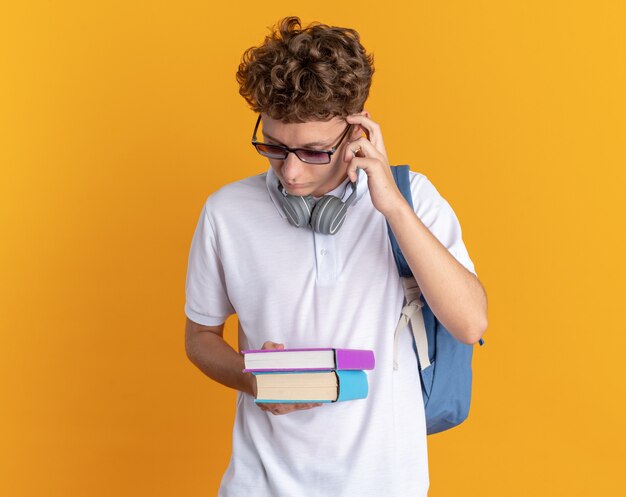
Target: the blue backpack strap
(402, 179)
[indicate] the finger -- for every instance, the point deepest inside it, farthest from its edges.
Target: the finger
(362, 147)
(367, 164)
(286, 408)
(371, 128)
(272, 346)
(270, 406)
(280, 409)
(309, 405)
(275, 409)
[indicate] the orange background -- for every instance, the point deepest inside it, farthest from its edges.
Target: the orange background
(118, 119)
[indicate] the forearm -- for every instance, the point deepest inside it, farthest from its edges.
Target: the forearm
(453, 293)
(219, 361)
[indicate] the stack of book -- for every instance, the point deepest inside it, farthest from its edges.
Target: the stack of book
(309, 375)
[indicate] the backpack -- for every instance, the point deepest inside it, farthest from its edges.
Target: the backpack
(445, 363)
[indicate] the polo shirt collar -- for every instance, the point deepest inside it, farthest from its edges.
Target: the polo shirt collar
(343, 191)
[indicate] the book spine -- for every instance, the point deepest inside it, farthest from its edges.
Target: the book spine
(352, 385)
(347, 359)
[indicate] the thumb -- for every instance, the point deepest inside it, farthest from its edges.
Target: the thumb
(272, 346)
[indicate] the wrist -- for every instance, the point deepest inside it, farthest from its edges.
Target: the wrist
(251, 387)
(398, 210)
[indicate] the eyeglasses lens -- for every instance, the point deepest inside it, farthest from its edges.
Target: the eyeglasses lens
(312, 156)
(271, 152)
(309, 156)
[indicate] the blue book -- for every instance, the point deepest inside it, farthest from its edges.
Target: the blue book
(310, 386)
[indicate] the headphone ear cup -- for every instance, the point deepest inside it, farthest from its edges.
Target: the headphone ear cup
(298, 209)
(328, 215)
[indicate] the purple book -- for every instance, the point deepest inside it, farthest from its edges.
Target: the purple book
(307, 359)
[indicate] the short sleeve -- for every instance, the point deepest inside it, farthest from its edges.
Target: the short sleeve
(437, 215)
(207, 301)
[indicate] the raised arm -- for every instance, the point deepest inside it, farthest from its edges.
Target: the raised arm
(454, 294)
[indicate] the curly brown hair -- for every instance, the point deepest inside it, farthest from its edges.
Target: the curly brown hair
(310, 74)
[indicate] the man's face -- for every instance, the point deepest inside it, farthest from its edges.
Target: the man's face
(300, 178)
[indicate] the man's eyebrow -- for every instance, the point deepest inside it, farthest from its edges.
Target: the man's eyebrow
(312, 144)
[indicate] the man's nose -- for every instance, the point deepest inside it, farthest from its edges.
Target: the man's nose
(292, 167)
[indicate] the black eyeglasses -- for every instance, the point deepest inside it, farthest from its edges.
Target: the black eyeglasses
(304, 154)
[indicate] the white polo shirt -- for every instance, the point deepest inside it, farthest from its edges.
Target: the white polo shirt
(303, 289)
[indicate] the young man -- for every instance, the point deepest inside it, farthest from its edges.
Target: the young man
(323, 284)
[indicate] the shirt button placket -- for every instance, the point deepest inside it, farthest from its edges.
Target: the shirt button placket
(325, 257)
